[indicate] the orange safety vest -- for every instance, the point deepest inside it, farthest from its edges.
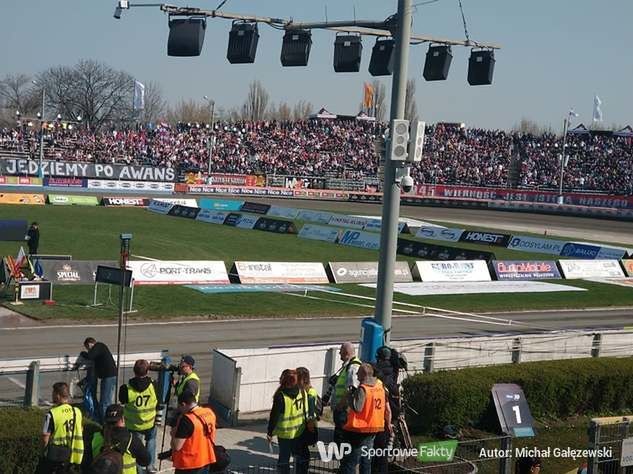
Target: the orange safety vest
(371, 419)
(197, 451)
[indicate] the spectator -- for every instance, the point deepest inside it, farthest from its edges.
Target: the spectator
(105, 370)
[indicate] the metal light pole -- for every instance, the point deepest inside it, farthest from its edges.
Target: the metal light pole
(124, 255)
(561, 198)
(40, 169)
(211, 139)
(391, 189)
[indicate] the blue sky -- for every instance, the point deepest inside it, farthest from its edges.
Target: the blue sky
(556, 54)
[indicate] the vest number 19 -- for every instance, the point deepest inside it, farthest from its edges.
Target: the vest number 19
(517, 413)
(141, 400)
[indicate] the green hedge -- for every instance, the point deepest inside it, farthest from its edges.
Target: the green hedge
(554, 389)
(20, 438)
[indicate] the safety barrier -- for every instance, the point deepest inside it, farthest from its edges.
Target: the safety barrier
(255, 372)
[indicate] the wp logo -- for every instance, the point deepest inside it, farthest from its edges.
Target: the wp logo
(333, 451)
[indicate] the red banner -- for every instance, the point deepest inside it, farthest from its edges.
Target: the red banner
(523, 195)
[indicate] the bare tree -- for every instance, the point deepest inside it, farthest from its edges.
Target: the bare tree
(281, 112)
(379, 100)
(528, 126)
(256, 103)
(410, 107)
(155, 104)
(16, 94)
(190, 111)
(302, 110)
(90, 89)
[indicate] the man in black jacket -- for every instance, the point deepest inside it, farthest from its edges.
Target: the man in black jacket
(33, 238)
(105, 370)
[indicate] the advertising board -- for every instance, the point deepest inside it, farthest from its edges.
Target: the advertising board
(591, 268)
(247, 222)
(255, 207)
(125, 202)
(161, 207)
(318, 232)
(485, 238)
(349, 222)
(318, 217)
(359, 238)
(69, 272)
(439, 233)
(525, 269)
(628, 267)
(525, 243)
(65, 182)
(69, 200)
(412, 248)
(275, 225)
(13, 230)
(280, 272)
(130, 186)
(182, 201)
(366, 272)
(211, 216)
(220, 204)
(178, 272)
(458, 270)
(17, 198)
(184, 211)
(285, 212)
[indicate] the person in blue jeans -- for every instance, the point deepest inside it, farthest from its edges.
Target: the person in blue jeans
(105, 371)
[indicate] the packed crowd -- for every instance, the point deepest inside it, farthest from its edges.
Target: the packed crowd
(453, 154)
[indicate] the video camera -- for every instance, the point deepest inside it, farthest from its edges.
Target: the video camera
(158, 366)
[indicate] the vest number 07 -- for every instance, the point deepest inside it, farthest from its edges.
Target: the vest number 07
(142, 400)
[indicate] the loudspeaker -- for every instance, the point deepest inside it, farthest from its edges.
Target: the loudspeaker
(243, 40)
(186, 36)
(416, 141)
(295, 49)
(438, 62)
(381, 62)
(399, 140)
(481, 66)
(348, 51)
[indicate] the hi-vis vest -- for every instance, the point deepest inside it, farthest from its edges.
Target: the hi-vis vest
(181, 385)
(291, 422)
(63, 434)
(371, 419)
(129, 461)
(341, 382)
(140, 409)
(197, 451)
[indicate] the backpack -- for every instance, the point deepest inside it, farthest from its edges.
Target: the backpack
(110, 459)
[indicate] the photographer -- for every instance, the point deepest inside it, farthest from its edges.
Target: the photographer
(189, 380)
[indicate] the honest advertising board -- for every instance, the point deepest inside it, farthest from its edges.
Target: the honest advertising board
(525, 243)
(280, 272)
(72, 169)
(439, 233)
(525, 269)
(69, 272)
(359, 238)
(318, 232)
(591, 268)
(485, 238)
(366, 272)
(181, 272)
(412, 248)
(161, 207)
(125, 202)
(211, 216)
(285, 212)
(131, 186)
(458, 270)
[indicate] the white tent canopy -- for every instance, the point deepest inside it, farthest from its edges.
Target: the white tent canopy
(625, 132)
(579, 130)
(322, 114)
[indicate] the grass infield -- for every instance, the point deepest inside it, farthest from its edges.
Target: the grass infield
(92, 233)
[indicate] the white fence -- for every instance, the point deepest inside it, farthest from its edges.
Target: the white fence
(250, 376)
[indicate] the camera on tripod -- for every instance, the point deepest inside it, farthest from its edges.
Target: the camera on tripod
(158, 366)
(331, 385)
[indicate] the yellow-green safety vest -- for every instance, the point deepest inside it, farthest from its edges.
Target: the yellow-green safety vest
(64, 435)
(140, 409)
(341, 382)
(292, 422)
(129, 461)
(181, 385)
